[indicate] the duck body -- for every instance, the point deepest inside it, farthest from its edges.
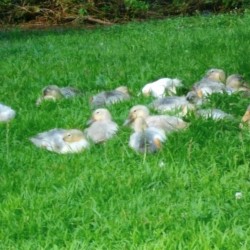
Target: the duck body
(145, 138)
(215, 114)
(6, 113)
(101, 128)
(110, 97)
(171, 104)
(162, 86)
(61, 141)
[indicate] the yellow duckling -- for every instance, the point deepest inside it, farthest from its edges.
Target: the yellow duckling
(101, 128)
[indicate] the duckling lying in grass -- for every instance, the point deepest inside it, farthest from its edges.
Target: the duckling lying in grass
(61, 141)
(6, 113)
(53, 92)
(110, 97)
(167, 123)
(236, 83)
(215, 114)
(146, 139)
(101, 128)
(172, 104)
(162, 86)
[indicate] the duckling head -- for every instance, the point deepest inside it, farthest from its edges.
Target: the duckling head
(52, 92)
(146, 90)
(100, 115)
(73, 135)
(123, 89)
(217, 75)
(135, 112)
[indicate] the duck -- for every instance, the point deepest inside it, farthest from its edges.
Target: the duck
(104, 98)
(165, 122)
(162, 86)
(146, 139)
(101, 126)
(176, 104)
(212, 82)
(236, 83)
(6, 113)
(215, 75)
(53, 92)
(61, 141)
(215, 114)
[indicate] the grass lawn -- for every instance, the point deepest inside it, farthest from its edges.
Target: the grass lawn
(110, 197)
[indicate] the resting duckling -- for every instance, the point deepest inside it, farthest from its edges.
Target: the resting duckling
(166, 123)
(162, 86)
(53, 92)
(215, 114)
(110, 97)
(101, 128)
(216, 75)
(237, 83)
(146, 139)
(61, 141)
(6, 113)
(177, 104)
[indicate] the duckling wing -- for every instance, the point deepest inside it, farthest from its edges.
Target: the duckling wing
(51, 140)
(166, 123)
(69, 92)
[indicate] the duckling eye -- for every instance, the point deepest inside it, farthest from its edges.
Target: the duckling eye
(68, 135)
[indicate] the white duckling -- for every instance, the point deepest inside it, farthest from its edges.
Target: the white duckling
(215, 114)
(61, 141)
(146, 139)
(162, 86)
(166, 123)
(101, 128)
(53, 92)
(177, 104)
(110, 97)
(6, 113)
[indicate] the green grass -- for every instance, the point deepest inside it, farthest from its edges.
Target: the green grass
(110, 197)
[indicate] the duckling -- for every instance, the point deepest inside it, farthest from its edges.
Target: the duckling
(146, 139)
(215, 114)
(53, 92)
(166, 123)
(61, 141)
(216, 75)
(236, 83)
(110, 97)
(160, 87)
(6, 113)
(101, 128)
(178, 104)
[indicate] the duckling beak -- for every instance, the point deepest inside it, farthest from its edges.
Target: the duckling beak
(127, 122)
(246, 116)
